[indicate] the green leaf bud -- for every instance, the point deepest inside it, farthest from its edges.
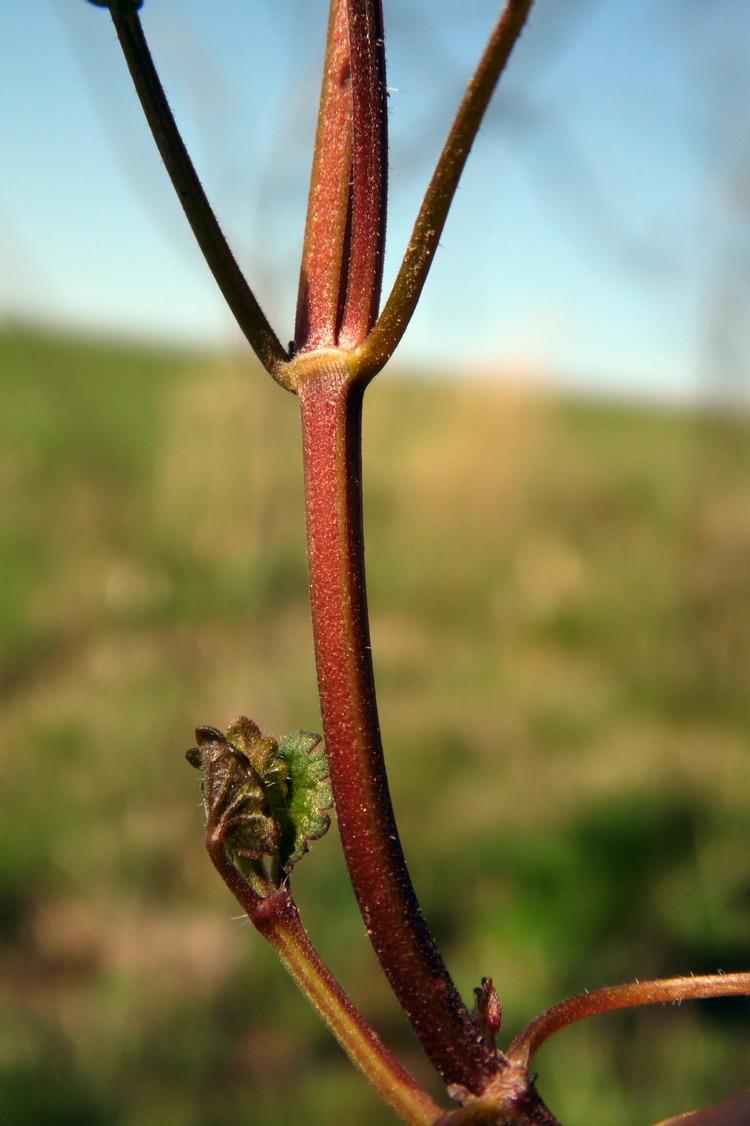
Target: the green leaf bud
(263, 798)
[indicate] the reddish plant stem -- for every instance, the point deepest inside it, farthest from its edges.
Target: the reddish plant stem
(369, 171)
(322, 272)
(399, 308)
(342, 257)
(613, 997)
(276, 917)
(331, 406)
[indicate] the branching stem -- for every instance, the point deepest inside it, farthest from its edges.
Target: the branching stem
(339, 351)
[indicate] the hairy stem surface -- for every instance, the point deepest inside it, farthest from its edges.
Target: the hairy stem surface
(331, 424)
(277, 918)
(613, 997)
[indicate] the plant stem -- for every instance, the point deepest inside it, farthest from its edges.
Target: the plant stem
(675, 989)
(369, 171)
(400, 306)
(342, 256)
(276, 916)
(205, 227)
(322, 272)
(331, 405)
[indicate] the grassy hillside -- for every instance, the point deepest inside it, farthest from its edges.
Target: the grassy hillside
(560, 596)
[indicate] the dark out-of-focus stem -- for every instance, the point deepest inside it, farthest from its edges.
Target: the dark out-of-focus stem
(230, 279)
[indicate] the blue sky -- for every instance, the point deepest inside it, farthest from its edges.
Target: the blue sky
(592, 240)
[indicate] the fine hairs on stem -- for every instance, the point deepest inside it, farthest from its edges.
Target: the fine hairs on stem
(267, 801)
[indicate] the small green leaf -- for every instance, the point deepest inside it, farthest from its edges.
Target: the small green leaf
(309, 796)
(121, 7)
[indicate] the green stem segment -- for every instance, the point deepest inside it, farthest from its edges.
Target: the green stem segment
(276, 916)
(331, 405)
(230, 279)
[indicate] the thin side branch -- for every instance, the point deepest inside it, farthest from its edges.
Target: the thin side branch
(675, 989)
(208, 234)
(276, 916)
(398, 310)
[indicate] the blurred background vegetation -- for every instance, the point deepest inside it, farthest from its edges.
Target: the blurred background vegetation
(560, 596)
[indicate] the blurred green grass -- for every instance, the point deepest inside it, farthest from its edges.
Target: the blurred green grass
(560, 596)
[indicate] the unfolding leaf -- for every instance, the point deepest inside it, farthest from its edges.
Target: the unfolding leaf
(234, 796)
(263, 798)
(308, 798)
(262, 750)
